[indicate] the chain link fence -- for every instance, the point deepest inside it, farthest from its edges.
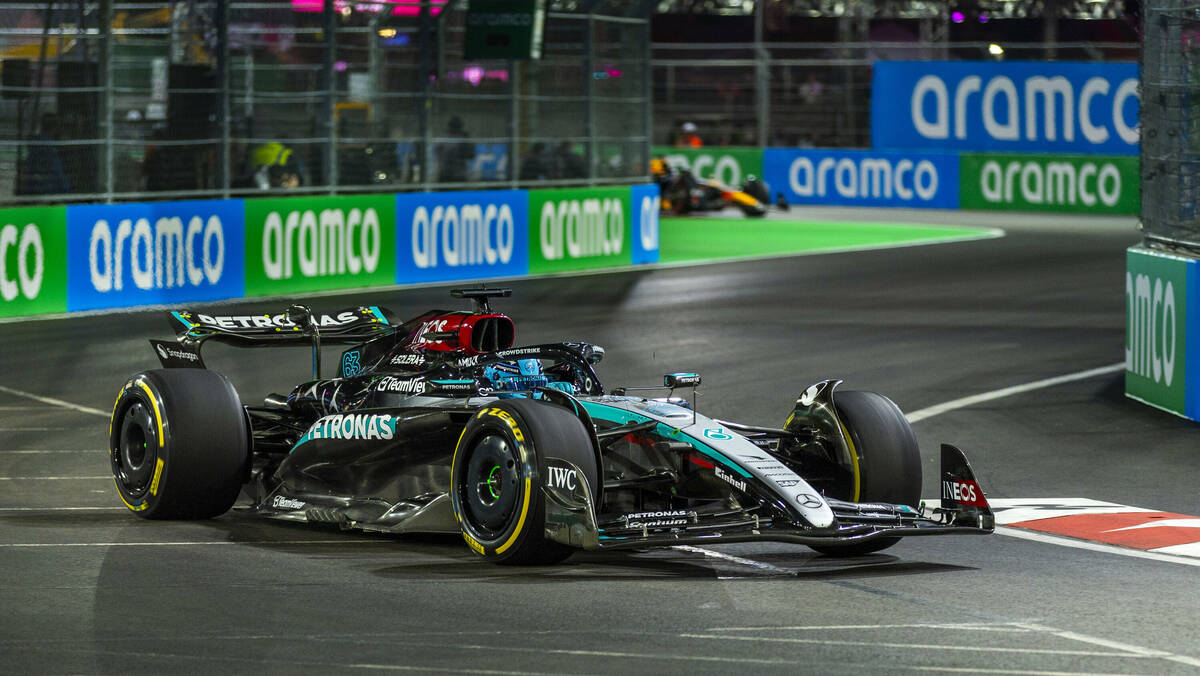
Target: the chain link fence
(1171, 125)
(107, 101)
(807, 94)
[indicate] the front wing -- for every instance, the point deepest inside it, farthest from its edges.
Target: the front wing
(963, 510)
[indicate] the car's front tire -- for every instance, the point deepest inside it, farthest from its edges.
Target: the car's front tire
(178, 444)
(496, 478)
(885, 458)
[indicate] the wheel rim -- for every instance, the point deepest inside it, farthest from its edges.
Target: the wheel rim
(490, 486)
(136, 451)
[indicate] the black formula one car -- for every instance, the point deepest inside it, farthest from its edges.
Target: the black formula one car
(439, 424)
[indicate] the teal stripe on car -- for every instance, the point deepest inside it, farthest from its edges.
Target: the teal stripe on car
(622, 417)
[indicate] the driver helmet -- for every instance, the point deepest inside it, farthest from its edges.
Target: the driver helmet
(521, 375)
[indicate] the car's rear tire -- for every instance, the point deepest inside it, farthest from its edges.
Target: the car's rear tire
(753, 210)
(178, 444)
(886, 456)
(496, 478)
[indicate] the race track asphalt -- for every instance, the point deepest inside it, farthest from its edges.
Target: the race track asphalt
(85, 587)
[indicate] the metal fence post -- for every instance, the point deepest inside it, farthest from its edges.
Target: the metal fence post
(329, 25)
(223, 93)
(589, 68)
(106, 106)
(514, 122)
(648, 94)
(425, 32)
(762, 79)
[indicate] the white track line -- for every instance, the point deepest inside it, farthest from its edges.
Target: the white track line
(54, 402)
(1142, 654)
(1013, 672)
(1126, 650)
(1013, 627)
(1116, 645)
(734, 559)
(35, 429)
(1095, 546)
(939, 409)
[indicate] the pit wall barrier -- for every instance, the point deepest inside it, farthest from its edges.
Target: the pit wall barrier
(90, 257)
(1162, 334)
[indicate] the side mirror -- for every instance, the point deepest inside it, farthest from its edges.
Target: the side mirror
(674, 380)
(594, 354)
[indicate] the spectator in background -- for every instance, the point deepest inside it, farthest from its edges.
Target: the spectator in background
(42, 172)
(567, 163)
(455, 156)
(272, 165)
(688, 138)
(538, 165)
(811, 89)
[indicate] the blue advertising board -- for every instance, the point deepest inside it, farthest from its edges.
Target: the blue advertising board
(863, 177)
(644, 204)
(1004, 106)
(123, 255)
(461, 235)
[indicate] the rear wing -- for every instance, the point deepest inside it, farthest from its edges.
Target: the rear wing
(347, 326)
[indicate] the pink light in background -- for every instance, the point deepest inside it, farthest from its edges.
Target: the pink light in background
(399, 7)
(476, 74)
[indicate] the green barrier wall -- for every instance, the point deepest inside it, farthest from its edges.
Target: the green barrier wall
(1059, 183)
(579, 229)
(730, 165)
(317, 243)
(1158, 301)
(33, 261)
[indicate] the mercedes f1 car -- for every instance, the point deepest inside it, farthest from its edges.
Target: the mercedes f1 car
(440, 424)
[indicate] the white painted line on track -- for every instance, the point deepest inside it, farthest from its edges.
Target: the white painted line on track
(1117, 645)
(939, 409)
(35, 429)
(54, 402)
(274, 663)
(1127, 650)
(1095, 546)
(926, 646)
(1014, 672)
(1014, 627)
(183, 543)
(734, 559)
(985, 233)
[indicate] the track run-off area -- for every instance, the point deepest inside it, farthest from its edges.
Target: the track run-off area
(1003, 339)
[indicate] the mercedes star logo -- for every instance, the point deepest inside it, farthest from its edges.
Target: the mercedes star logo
(808, 500)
